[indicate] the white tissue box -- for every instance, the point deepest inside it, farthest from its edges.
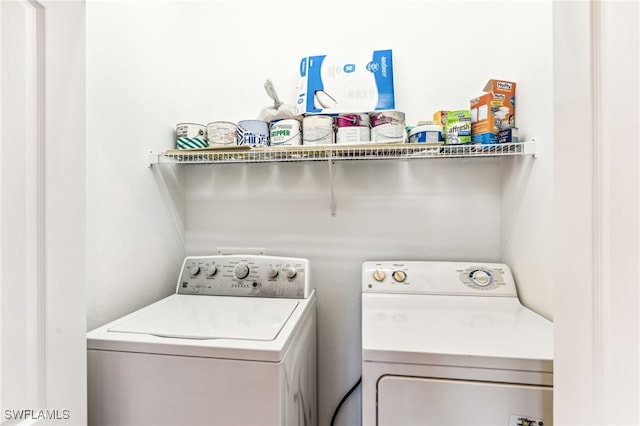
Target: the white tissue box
(358, 82)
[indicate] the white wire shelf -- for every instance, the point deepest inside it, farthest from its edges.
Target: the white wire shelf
(365, 151)
(335, 153)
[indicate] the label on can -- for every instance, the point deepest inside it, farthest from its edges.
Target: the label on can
(426, 133)
(191, 130)
(318, 135)
(253, 132)
(353, 134)
(285, 132)
(387, 117)
(318, 130)
(352, 120)
(222, 133)
(388, 133)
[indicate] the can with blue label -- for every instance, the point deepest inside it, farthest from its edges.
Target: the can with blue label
(253, 132)
(426, 133)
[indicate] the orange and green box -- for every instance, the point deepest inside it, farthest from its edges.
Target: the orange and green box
(493, 111)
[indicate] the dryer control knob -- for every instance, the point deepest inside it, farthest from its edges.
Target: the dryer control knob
(399, 276)
(211, 271)
(241, 271)
(379, 275)
(291, 272)
(193, 270)
(272, 272)
(481, 278)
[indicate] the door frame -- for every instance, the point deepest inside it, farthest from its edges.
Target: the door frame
(42, 212)
(596, 211)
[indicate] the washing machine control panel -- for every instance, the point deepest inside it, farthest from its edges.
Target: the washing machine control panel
(245, 275)
(429, 277)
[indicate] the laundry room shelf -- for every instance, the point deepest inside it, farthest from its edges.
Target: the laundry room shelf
(332, 154)
(335, 152)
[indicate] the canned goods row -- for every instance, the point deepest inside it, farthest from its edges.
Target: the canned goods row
(375, 127)
(222, 134)
(383, 126)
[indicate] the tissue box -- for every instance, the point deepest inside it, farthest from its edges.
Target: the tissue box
(358, 82)
(494, 111)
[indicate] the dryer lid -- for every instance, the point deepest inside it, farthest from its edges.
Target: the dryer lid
(433, 329)
(211, 317)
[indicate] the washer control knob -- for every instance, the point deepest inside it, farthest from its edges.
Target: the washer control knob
(291, 272)
(481, 278)
(211, 271)
(379, 275)
(241, 271)
(193, 270)
(272, 272)
(399, 276)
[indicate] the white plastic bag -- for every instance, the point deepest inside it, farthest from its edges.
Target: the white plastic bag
(278, 110)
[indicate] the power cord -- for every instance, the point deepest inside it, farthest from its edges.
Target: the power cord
(344, 398)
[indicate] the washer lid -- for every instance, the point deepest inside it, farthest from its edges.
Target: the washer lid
(210, 317)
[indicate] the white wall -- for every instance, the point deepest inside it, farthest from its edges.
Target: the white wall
(154, 64)
(134, 244)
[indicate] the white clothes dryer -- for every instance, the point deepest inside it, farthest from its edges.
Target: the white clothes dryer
(449, 343)
(235, 345)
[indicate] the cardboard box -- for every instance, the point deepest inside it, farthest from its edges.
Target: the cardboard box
(457, 126)
(508, 135)
(440, 117)
(494, 111)
(359, 82)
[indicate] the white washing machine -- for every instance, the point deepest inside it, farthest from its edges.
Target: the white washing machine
(235, 345)
(448, 343)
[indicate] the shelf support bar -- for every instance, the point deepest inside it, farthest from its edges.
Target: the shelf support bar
(153, 158)
(529, 148)
(331, 180)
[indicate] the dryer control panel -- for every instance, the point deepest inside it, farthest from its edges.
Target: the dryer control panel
(245, 275)
(429, 277)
